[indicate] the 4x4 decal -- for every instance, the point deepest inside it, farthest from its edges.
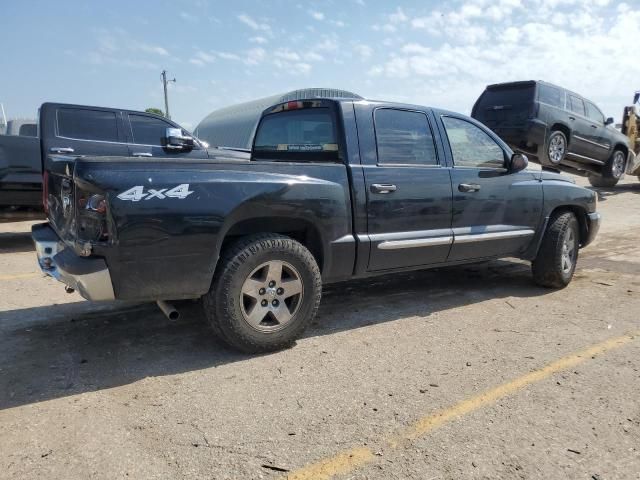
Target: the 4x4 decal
(137, 193)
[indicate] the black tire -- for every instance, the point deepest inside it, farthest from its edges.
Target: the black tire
(604, 182)
(556, 148)
(225, 303)
(549, 267)
(615, 166)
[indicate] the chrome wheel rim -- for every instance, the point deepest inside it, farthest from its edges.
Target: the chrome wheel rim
(568, 251)
(556, 149)
(271, 295)
(617, 167)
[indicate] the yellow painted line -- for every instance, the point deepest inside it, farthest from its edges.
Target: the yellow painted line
(355, 458)
(19, 276)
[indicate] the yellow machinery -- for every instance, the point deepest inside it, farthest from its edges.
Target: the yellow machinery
(631, 127)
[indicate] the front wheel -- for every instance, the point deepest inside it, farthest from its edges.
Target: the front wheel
(556, 261)
(615, 166)
(265, 292)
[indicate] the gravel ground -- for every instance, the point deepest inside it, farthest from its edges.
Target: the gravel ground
(117, 391)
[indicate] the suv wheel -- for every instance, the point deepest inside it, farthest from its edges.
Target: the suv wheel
(605, 182)
(556, 147)
(265, 292)
(615, 166)
(555, 263)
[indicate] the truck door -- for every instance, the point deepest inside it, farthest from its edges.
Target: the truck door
(147, 138)
(408, 189)
(80, 130)
(495, 213)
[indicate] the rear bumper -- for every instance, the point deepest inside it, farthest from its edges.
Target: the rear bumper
(527, 138)
(593, 225)
(88, 275)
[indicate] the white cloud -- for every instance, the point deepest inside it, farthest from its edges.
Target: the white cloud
(259, 40)
(253, 24)
(317, 15)
(362, 50)
(286, 54)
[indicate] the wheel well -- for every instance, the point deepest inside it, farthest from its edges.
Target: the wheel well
(581, 216)
(623, 148)
(300, 230)
(564, 129)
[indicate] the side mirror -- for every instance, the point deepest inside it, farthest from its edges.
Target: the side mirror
(518, 162)
(609, 121)
(175, 140)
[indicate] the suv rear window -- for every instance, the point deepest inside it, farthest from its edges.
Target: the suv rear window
(83, 124)
(307, 133)
(506, 95)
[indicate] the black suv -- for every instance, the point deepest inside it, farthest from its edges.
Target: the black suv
(559, 128)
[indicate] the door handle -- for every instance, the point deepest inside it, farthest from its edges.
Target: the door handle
(572, 118)
(382, 188)
(142, 154)
(594, 126)
(468, 187)
(61, 150)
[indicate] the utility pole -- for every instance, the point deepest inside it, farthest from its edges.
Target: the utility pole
(4, 119)
(166, 98)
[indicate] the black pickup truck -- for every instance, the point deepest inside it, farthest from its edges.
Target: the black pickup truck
(333, 189)
(83, 130)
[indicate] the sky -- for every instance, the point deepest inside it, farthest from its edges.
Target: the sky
(433, 53)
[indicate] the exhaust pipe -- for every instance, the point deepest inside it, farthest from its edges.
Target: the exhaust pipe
(169, 310)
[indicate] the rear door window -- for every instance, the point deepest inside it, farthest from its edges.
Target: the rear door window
(404, 138)
(304, 133)
(576, 105)
(551, 95)
(471, 146)
(85, 124)
(148, 130)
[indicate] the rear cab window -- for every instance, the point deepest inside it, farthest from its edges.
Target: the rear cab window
(404, 137)
(85, 124)
(296, 132)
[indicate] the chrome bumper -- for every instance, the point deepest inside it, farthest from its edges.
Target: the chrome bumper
(89, 276)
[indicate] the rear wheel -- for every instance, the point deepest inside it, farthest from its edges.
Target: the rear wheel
(265, 292)
(558, 253)
(556, 147)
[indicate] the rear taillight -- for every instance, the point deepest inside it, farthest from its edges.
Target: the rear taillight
(92, 216)
(45, 191)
